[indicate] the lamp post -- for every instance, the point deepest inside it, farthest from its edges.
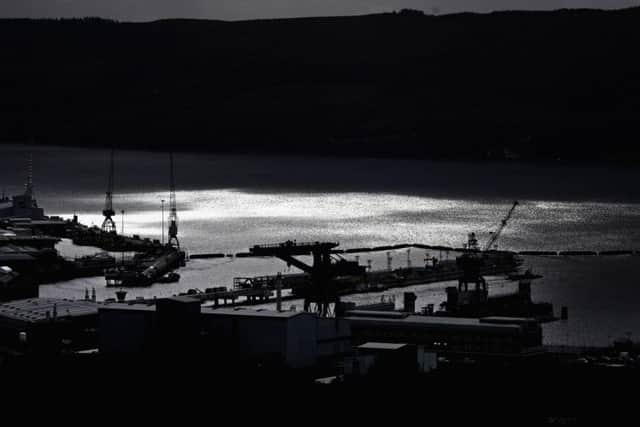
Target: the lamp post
(162, 221)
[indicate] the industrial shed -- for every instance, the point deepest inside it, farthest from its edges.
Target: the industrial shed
(289, 337)
(126, 328)
(490, 336)
(49, 324)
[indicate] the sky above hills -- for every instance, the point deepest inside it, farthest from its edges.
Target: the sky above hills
(143, 10)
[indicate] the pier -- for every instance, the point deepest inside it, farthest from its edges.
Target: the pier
(225, 297)
(439, 248)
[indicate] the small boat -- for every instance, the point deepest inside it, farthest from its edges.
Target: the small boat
(169, 278)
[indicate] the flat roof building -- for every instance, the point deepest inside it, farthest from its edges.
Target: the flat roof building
(126, 328)
(48, 324)
(286, 337)
(449, 335)
(292, 338)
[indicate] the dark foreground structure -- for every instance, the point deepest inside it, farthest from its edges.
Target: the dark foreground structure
(15, 286)
(545, 393)
(428, 366)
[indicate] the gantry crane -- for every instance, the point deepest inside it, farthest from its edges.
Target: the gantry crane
(108, 225)
(323, 290)
(173, 210)
(474, 259)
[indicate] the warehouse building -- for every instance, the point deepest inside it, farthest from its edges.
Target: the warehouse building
(179, 324)
(489, 336)
(288, 336)
(48, 325)
(126, 328)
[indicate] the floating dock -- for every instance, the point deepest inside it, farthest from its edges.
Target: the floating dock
(146, 269)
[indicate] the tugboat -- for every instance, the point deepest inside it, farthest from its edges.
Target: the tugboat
(171, 277)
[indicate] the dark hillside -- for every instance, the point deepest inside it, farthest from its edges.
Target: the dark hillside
(540, 84)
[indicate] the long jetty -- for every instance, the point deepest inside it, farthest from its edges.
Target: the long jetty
(387, 248)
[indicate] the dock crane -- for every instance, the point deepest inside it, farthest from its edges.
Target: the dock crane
(496, 234)
(323, 290)
(173, 210)
(108, 225)
(474, 259)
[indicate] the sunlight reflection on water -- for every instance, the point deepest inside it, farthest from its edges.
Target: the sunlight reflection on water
(228, 219)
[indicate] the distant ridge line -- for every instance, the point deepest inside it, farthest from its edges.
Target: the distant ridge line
(504, 12)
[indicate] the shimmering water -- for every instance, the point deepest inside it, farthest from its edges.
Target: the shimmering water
(228, 203)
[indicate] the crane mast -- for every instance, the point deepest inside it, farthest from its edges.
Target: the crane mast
(108, 225)
(29, 185)
(495, 235)
(173, 210)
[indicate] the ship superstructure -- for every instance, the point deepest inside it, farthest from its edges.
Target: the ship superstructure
(22, 205)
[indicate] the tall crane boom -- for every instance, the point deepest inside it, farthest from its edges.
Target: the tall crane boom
(173, 210)
(108, 226)
(495, 235)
